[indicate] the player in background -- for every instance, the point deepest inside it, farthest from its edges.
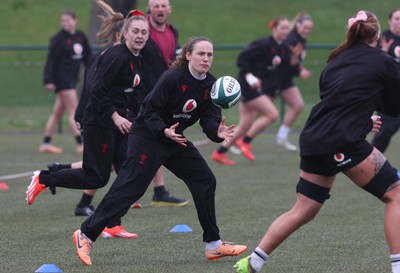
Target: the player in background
(302, 26)
(263, 69)
(68, 49)
(357, 80)
(180, 98)
(118, 86)
(390, 43)
(160, 50)
(109, 34)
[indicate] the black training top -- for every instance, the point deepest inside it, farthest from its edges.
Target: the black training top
(66, 53)
(353, 85)
(394, 49)
(118, 85)
(267, 60)
(87, 85)
(293, 39)
(178, 97)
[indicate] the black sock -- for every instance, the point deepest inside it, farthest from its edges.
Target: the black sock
(78, 140)
(47, 139)
(159, 191)
(64, 166)
(86, 200)
(222, 150)
(247, 139)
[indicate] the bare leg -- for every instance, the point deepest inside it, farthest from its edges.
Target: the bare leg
(52, 122)
(361, 175)
(292, 97)
(267, 115)
(158, 179)
(70, 100)
(247, 116)
(304, 210)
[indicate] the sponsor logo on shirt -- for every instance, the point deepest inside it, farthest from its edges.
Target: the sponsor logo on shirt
(189, 106)
(78, 50)
(136, 81)
(340, 158)
(276, 60)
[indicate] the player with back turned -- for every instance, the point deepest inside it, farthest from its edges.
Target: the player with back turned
(357, 80)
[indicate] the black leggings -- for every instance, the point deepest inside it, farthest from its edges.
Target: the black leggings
(145, 156)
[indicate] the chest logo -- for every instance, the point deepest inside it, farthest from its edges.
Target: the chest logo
(338, 157)
(276, 60)
(136, 80)
(184, 87)
(189, 106)
(78, 49)
(397, 51)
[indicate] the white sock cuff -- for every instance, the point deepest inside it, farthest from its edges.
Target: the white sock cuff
(283, 132)
(261, 253)
(395, 257)
(213, 244)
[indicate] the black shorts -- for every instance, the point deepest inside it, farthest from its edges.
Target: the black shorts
(64, 85)
(331, 164)
(247, 93)
(273, 90)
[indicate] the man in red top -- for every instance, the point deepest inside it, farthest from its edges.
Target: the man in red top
(161, 47)
(158, 53)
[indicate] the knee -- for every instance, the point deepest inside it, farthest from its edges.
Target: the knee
(273, 115)
(58, 112)
(305, 215)
(298, 107)
(99, 180)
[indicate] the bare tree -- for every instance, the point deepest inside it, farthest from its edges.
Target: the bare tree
(123, 6)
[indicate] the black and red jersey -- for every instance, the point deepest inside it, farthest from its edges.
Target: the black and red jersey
(394, 49)
(294, 39)
(118, 84)
(66, 53)
(353, 85)
(178, 97)
(266, 59)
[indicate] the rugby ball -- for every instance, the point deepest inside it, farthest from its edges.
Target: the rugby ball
(225, 92)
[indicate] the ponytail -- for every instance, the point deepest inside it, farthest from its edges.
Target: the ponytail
(363, 28)
(111, 23)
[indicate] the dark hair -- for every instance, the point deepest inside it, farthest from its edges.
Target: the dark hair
(360, 32)
(392, 12)
(188, 48)
(275, 22)
(69, 13)
(111, 23)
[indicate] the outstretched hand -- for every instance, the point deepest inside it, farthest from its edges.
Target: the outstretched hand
(385, 44)
(170, 133)
(376, 124)
(225, 132)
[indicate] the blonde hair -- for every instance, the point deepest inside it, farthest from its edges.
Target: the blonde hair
(111, 23)
(299, 19)
(128, 22)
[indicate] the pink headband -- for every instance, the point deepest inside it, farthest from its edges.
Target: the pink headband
(361, 16)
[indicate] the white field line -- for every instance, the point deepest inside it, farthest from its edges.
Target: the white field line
(196, 143)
